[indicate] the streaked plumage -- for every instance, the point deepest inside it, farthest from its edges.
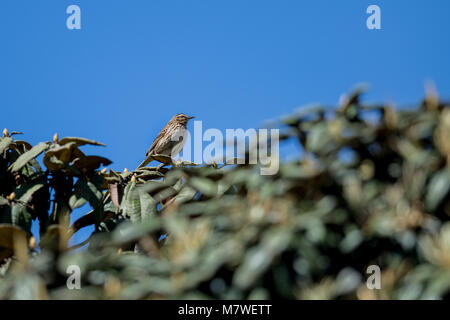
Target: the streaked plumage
(164, 144)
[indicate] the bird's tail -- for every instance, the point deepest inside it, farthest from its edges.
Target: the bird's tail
(147, 160)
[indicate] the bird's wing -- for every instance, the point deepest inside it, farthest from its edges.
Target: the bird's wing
(156, 141)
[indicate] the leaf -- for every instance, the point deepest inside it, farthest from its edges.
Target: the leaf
(24, 144)
(148, 175)
(7, 235)
(132, 204)
(58, 156)
(112, 180)
(87, 191)
(36, 165)
(204, 185)
(15, 213)
(163, 158)
(319, 139)
(437, 189)
(110, 207)
(90, 163)
(165, 194)
(53, 238)
(114, 192)
(75, 201)
(53, 163)
(143, 169)
(28, 156)
(79, 141)
(186, 194)
(127, 232)
(84, 221)
(4, 143)
(188, 163)
(259, 258)
(148, 206)
(27, 196)
(153, 187)
(353, 99)
(21, 217)
(7, 232)
(3, 201)
(80, 191)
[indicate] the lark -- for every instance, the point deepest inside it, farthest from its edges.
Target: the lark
(171, 139)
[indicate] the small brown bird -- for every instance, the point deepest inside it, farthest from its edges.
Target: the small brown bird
(170, 141)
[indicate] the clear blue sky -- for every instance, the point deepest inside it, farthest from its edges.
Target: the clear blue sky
(232, 64)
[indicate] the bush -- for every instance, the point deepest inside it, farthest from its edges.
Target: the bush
(370, 188)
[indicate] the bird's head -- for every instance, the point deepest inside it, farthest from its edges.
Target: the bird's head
(181, 118)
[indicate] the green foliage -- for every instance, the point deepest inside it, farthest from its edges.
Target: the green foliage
(370, 188)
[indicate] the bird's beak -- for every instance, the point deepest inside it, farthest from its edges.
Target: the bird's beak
(191, 118)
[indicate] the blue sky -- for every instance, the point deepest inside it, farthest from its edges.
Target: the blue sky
(232, 64)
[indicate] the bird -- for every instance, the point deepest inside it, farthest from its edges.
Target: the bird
(170, 140)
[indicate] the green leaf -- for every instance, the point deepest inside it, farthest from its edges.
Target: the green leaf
(165, 194)
(53, 163)
(58, 156)
(88, 192)
(36, 165)
(124, 198)
(153, 187)
(28, 156)
(127, 232)
(79, 141)
(4, 143)
(75, 201)
(16, 211)
(437, 189)
(148, 175)
(109, 206)
(3, 201)
(204, 185)
(90, 163)
(132, 203)
(27, 196)
(148, 206)
(187, 193)
(319, 139)
(21, 217)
